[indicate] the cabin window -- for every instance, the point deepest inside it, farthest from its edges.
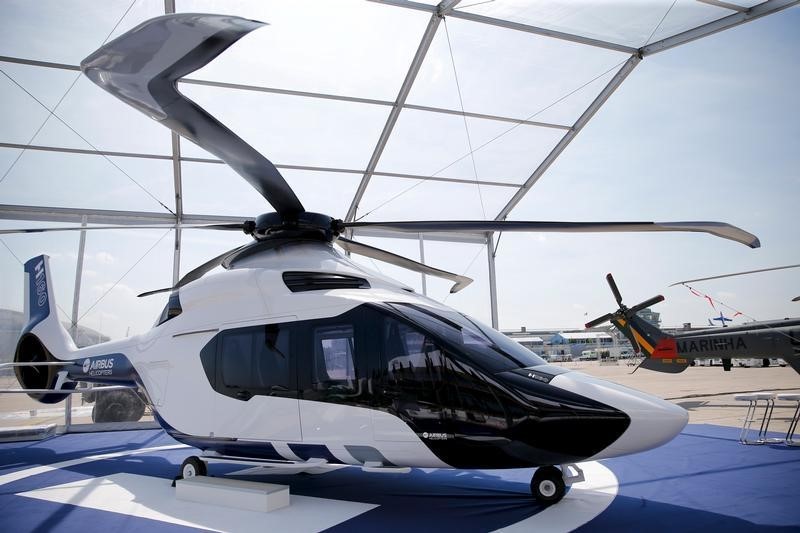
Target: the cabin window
(334, 350)
(412, 358)
(252, 361)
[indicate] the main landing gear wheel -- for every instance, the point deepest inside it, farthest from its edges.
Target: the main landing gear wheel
(547, 485)
(193, 467)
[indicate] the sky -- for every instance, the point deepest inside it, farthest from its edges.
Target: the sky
(709, 130)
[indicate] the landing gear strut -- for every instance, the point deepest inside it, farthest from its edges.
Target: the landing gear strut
(549, 484)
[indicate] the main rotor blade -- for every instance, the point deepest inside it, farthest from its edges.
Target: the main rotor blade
(720, 229)
(141, 68)
(198, 272)
(614, 288)
(734, 274)
(224, 227)
(388, 257)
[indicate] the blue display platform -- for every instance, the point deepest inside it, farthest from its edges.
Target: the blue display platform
(120, 481)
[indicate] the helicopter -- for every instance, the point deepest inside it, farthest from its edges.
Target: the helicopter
(674, 353)
(295, 356)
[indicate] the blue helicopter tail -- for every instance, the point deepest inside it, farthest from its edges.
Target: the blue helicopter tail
(44, 343)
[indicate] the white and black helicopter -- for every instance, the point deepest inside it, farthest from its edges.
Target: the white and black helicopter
(296, 356)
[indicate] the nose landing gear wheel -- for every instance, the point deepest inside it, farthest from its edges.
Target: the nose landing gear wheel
(193, 467)
(547, 485)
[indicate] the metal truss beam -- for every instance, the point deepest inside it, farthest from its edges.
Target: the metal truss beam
(405, 88)
(601, 98)
(307, 94)
(370, 101)
(464, 15)
(164, 157)
(758, 11)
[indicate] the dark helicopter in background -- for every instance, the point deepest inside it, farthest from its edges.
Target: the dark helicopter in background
(673, 353)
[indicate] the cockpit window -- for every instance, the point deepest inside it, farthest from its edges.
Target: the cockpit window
(489, 348)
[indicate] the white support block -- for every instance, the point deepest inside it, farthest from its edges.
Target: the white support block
(248, 495)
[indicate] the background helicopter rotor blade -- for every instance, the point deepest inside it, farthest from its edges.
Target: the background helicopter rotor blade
(599, 320)
(224, 227)
(720, 229)
(734, 274)
(142, 67)
(394, 259)
(614, 288)
(645, 304)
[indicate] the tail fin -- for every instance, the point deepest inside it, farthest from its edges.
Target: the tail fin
(43, 343)
(659, 348)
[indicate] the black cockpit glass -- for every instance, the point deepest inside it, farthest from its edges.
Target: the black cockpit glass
(490, 349)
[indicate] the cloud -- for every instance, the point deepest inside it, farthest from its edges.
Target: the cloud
(104, 258)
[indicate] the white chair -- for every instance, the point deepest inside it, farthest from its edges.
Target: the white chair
(753, 400)
(791, 397)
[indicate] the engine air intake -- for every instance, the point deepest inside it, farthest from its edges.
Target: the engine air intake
(322, 281)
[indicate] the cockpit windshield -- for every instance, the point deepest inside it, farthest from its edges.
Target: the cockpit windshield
(489, 348)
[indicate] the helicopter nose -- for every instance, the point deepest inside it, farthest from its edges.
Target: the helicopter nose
(653, 421)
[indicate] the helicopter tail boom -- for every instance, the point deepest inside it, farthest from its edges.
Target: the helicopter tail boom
(46, 359)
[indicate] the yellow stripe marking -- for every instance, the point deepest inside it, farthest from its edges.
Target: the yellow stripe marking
(643, 343)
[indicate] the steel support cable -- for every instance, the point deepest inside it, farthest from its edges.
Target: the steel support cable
(660, 22)
(124, 275)
(84, 139)
(52, 113)
(496, 137)
(466, 125)
(515, 126)
(480, 251)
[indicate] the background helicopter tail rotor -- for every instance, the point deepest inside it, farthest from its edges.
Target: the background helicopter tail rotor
(623, 312)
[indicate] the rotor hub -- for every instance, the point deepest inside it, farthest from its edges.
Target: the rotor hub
(305, 225)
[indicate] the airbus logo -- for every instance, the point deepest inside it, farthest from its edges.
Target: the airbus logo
(99, 367)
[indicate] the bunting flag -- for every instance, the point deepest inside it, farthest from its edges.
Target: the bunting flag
(711, 302)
